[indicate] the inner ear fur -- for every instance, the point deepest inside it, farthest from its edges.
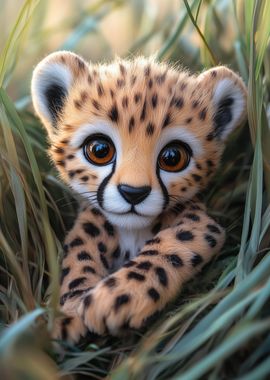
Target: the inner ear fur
(228, 94)
(52, 80)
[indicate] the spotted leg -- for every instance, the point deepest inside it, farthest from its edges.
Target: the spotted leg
(145, 285)
(87, 260)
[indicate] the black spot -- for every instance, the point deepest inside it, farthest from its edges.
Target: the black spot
(127, 255)
(210, 136)
(150, 252)
(113, 114)
(64, 273)
(96, 211)
(137, 97)
(209, 163)
(129, 264)
(84, 178)
(210, 240)
(74, 283)
(195, 207)
(120, 301)
(116, 253)
(202, 114)
(154, 294)
(133, 79)
(102, 247)
(161, 78)
(80, 63)
(59, 150)
(213, 73)
(104, 261)
(150, 129)
(82, 256)
(125, 102)
(76, 242)
(96, 104)
(135, 276)
(154, 100)
(183, 189)
(71, 294)
(196, 259)
(179, 102)
(122, 68)
(197, 177)
(70, 157)
(188, 120)
(145, 265)
(166, 121)
(213, 228)
(184, 235)
(110, 282)
(143, 113)
(150, 83)
(55, 96)
(77, 104)
(223, 115)
(175, 260)
(109, 228)
(198, 166)
(120, 83)
(67, 321)
(60, 163)
(183, 86)
(153, 241)
(162, 276)
(65, 248)
(87, 300)
(147, 70)
(195, 104)
(88, 269)
(131, 124)
(90, 229)
(178, 208)
(193, 217)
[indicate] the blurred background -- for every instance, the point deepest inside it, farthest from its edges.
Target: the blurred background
(101, 29)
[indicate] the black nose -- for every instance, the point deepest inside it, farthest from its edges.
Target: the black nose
(134, 195)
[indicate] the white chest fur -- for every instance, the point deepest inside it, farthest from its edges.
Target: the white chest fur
(130, 243)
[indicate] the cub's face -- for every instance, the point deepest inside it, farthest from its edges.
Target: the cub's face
(135, 137)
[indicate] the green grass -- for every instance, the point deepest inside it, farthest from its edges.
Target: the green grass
(219, 326)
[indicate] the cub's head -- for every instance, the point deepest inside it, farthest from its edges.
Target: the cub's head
(135, 137)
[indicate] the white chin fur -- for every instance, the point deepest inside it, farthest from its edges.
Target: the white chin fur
(129, 221)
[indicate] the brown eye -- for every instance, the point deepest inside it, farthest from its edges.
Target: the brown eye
(99, 150)
(174, 157)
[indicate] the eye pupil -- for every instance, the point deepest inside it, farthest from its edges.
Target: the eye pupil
(174, 157)
(171, 156)
(99, 150)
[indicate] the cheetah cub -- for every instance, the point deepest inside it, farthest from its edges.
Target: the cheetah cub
(138, 141)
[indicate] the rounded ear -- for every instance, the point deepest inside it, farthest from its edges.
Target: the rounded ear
(228, 95)
(52, 80)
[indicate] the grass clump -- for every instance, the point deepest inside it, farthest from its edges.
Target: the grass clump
(219, 327)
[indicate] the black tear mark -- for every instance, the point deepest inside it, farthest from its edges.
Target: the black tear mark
(55, 95)
(223, 115)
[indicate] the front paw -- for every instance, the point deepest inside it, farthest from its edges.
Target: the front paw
(111, 308)
(70, 329)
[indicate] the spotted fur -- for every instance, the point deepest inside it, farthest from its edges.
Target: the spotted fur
(122, 264)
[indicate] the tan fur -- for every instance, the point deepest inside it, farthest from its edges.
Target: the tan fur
(140, 98)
